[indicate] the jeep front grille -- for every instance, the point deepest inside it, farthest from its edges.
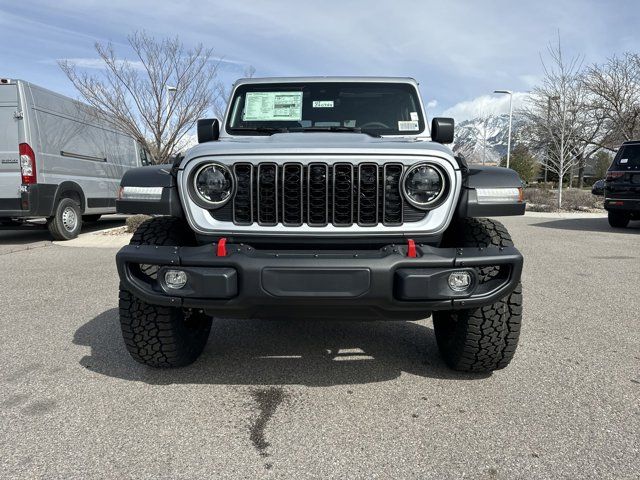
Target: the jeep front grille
(318, 194)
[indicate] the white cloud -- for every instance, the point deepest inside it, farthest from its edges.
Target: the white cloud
(95, 63)
(530, 80)
(483, 50)
(485, 105)
(432, 104)
(229, 61)
(98, 63)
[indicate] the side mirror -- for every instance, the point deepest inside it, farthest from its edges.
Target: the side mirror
(442, 130)
(208, 130)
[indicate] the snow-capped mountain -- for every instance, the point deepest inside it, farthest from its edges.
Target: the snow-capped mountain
(486, 138)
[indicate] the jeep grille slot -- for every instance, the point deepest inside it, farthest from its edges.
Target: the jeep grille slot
(318, 194)
(292, 195)
(243, 199)
(367, 194)
(392, 198)
(343, 194)
(268, 194)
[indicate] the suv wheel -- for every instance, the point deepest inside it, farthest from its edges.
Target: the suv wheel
(66, 222)
(619, 219)
(162, 336)
(480, 339)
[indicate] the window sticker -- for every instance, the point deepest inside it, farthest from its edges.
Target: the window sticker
(350, 123)
(269, 106)
(624, 160)
(414, 116)
(323, 104)
(408, 126)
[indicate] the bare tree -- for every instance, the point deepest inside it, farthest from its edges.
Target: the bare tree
(593, 135)
(614, 88)
(554, 114)
(156, 98)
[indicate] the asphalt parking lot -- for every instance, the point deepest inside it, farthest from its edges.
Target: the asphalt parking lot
(334, 399)
(34, 234)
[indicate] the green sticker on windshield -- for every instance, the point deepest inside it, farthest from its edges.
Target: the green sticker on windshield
(271, 106)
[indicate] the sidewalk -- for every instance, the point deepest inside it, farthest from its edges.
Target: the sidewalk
(99, 239)
(602, 214)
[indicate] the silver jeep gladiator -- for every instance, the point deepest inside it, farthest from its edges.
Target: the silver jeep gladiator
(323, 197)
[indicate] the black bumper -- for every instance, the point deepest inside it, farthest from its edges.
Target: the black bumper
(622, 204)
(381, 283)
(35, 200)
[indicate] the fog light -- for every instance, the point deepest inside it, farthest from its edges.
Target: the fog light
(459, 281)
(175, 279)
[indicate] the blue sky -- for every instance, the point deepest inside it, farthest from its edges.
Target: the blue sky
(458, 51)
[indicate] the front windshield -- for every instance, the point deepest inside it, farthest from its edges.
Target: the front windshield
(372, 108)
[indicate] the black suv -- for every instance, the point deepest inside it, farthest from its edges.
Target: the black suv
(622, 187)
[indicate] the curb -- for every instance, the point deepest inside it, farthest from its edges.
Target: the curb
(97, 240)
(602, 214)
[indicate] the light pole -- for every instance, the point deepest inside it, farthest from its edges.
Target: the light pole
(510, 93)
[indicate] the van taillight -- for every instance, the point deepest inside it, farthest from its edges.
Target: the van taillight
(27, 164)
(614, 175)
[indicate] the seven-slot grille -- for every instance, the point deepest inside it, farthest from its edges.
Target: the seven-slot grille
(318, 194)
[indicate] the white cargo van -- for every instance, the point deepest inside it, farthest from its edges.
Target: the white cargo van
(58, 160)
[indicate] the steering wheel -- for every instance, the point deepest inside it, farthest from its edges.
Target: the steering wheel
(375, 124)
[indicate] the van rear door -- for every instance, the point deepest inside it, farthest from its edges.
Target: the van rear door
(10, 179)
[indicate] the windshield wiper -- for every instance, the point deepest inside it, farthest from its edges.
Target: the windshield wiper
(268, 130)
(332, 128)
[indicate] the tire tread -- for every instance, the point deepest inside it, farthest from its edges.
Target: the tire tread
(155, 335)
(481, 339)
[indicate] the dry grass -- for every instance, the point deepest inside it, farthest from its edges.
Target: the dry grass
(114, 231)
(134, 221)
(573, 199)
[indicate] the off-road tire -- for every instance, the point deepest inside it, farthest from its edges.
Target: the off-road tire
(59, 224)
(480, 339)
(160, 336)
(91, 218)
(618, 219)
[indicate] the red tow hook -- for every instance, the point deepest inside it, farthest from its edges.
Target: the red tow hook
(222, 247)
(411, 249)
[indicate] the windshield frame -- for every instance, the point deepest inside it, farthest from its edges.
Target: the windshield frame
(294, 83)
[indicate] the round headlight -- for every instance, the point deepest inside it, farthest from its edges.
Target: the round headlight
(213, 184)
(423, 185)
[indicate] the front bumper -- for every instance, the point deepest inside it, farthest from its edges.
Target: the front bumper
(382, 283)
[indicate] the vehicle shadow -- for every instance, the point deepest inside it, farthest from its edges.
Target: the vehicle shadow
(280, 352)
(600, 224)
(36, 231)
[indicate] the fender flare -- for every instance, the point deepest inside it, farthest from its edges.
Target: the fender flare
(151, 176)
(69, 187)
(488, 177)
